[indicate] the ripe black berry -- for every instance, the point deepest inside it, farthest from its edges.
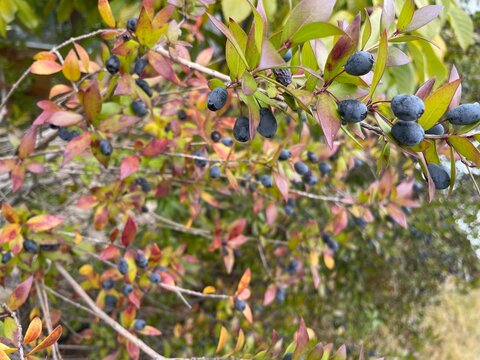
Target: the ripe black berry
(360, 63)
(268, 124)
(140, 260)
(155, 277)
(227, 141)
(241, 129)
(301, 168)
(108, 284)
(199, 162)
(440, 176)
(142, 84)
(132, 24)
(284, 155)
(352, 110)
(181, 115)
(266, 180)
(408, 133)
(30, 246)
(407, 107)
(215, 172)
(140, 64)
(122, 266)
(312, 157)
(6, 256)
(283, 76)
(464, 114)
(217, 99)
(127, 289)
(105, 147)
(436, 130)
(139, 108)
(240, 305)
(215, 136)
(325, 168)
(113, 64)
(139, 324)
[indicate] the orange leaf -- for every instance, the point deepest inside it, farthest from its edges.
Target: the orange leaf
(49, 340)
(45, 67)
(76, 146)
(3, 356)
(10, 232)
(270, 294)
(129, 166)
(34, 330)
(240, 341)
(244, 281)
(282, 184)
(328, 260)
(155, 147)
(106, 13)
(9, 213)
(222, 339)
(43, 222)
(20, 294)
(71, 68)
(83, 55)
(150, 331)
(45, 55)
(18, 176)
(247, 312)
(27, 145)
(209, 290)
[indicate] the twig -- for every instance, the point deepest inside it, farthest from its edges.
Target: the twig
(159, 49)
(67, 300)
(103, 316)
(13, 314)
(42, 296)
(53, 50)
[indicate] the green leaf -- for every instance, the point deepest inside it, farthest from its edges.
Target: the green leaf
(237, 10)
(380, 63)
(255, 39)
(7, 10)
(437, 103)
(430, 152)
(214, 83)
(406, 14)
(462, 26)
(367, 30)
(315, 30)
(465, 148)
(249, 85)
(26, 14)
(234, 62)
(306, 12)
(145, 32)
(230, 36)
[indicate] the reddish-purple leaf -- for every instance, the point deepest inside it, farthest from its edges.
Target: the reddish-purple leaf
(20, 294)
(396, 57)
(163, 67)
(302, 339)
(458, 94)
(423, 16)
(48, 108)
(130, 165)
(155, 147)
(18, 176)
(35, 167)
(270, 294)
(388, 14)
(129, 232)
(87, 202)
(425, 89)
(398, 215)
(327, 117)
(269, 57)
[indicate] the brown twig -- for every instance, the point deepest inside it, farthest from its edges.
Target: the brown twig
(103, 316)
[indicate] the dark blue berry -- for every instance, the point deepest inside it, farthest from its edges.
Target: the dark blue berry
(105, 147)
(217, 99)
(215, 136)
(407, 107)
(139, 324)
(6, 256)
(284, 155)
(127, 289)
(241, 129)
(155, 277)
(288, 55)
(301, 168)
(30, 246)
(352, 110)
(141, 260)
(312, 157)
(436, 130)
(325, 168)
(215, 172)
(240, 305)
(140, 65)
(268, 124)
(110, 301)
(465, 114)
(144, 184)
(142, 84)
(408, 133)
(132, 24)
(139, 108)
(440, 176)
(108, 284)
(122, 266)
(283, 76)
(200, 162)
(181, 115)
(292, 267)
(310, 179)
(280, 296)
(266, 180)
(113, 64)
(360, 63)
(227, 141)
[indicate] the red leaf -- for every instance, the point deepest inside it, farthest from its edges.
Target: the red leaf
(149, 7)
(327, 117)
(48, 108)
(129, 166)
(163, 67)
(271, 213)
(45, 67)
(340, 222)
(35, 167)
(100, 219)
(87, 202)
(20, 294)
(155, 147)
(27, 145)
(76, 146)
(282, 184)
(133, 350)
(129, 231)
(43, 222)
(110, 252)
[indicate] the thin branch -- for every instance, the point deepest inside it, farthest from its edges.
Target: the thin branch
(67, 300)
(42, 296)
(13, 314)
(194, 66)
(53, 50)
(107, 319)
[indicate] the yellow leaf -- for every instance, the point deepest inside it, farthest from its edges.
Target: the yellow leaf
(240, 341)
(106, 13)
(34, 330)
(71, 67)
(3, 355)
(209, 290)
(6, 349)
(9, 328)
(222, 340)
(329, 261)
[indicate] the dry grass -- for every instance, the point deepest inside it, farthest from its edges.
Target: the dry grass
(455, 323)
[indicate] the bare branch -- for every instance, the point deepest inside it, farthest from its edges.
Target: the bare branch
(13, 314)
